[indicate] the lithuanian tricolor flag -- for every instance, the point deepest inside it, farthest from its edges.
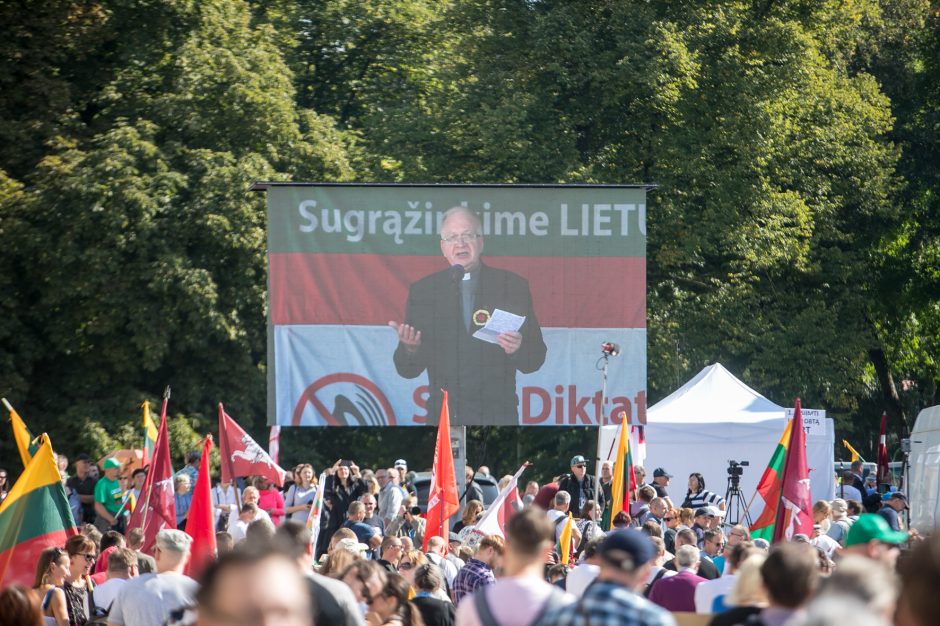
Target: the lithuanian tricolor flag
(25, 443)
(769, 489)
(623, 488)
(34, 516)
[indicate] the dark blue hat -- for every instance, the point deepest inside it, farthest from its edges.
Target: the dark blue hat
(627, 549)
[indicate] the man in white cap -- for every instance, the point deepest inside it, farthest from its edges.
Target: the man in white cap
(401, 466)
(149, 599)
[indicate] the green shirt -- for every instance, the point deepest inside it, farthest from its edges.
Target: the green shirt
(108, 493)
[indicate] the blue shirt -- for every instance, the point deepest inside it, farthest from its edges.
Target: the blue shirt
(606, 603)
(183, 502)
(363, 531)
(891, 516)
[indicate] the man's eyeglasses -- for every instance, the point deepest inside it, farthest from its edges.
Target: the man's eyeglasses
(464, 238)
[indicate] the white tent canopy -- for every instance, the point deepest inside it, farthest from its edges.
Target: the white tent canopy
(715, 418)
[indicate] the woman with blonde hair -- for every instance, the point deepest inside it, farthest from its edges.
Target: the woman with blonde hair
(409, 562)
(748, 596)
(51, 571)
(686, 515)
(302, 493)
(822, 515)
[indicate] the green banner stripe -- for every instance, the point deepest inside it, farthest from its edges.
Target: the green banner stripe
(40, 511)
(555, 221)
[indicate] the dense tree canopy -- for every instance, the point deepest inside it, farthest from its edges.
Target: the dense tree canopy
(794, 235)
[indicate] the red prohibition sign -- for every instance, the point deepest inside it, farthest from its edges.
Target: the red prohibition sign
(310, 395)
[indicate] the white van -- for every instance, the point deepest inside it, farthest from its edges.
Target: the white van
(924, 492)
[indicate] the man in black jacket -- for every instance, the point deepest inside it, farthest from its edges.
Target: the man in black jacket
(580, 485)
(443, 312)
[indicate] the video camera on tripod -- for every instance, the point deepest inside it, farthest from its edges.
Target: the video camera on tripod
(736, 469)
(734, 499)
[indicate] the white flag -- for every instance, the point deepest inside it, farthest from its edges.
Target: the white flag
(274, 444)
(489, 523)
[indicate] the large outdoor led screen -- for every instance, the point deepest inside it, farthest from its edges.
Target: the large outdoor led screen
(513, 294)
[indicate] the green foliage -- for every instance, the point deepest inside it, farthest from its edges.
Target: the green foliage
(794, 235)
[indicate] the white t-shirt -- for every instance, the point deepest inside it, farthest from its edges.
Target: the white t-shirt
(707, 592)
(514, 601)
(106, 592)
(580, 577)
(148, 600)
(827, 544)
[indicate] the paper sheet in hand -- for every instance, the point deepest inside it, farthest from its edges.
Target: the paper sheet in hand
(500, 322)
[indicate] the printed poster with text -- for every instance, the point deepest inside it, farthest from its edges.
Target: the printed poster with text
(342, 259)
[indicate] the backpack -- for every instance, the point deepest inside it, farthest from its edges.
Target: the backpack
(481, 604)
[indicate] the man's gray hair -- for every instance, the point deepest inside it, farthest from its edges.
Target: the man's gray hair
(428, 577)
(465, 211)
(172, 540)
(562, 497)
(687, 556)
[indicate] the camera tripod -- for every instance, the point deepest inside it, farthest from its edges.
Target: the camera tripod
(736, 508)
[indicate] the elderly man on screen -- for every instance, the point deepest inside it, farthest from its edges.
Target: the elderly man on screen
(443, 312)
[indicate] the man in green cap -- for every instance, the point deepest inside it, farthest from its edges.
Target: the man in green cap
(108, 497)
(871, 537)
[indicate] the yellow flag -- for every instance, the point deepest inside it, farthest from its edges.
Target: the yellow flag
(564, 542)
(855, 455)
(22, 436)
(150, 433)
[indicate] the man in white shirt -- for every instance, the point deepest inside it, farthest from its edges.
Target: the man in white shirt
(437, 554)
(586, 571)
(148, 600)
(122, 565)
(559, 513)
(390, 494)
(239, 528)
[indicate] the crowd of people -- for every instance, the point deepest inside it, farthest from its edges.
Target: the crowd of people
(651, 562)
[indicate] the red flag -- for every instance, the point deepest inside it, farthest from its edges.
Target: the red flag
(241, 456)
(884, 473)
(510, 506)
(795, 513)
(156, 508)
(442, 495)
(200, 524)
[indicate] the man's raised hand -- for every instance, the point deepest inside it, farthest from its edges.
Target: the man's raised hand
(408, 336)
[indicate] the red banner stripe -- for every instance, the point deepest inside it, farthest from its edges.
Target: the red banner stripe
(369, 290)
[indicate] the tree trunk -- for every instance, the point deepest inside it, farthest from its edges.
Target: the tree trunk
(890, 391)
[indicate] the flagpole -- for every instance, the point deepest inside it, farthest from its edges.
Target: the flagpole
(600, 422)
(166, 400)
(228, 458)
